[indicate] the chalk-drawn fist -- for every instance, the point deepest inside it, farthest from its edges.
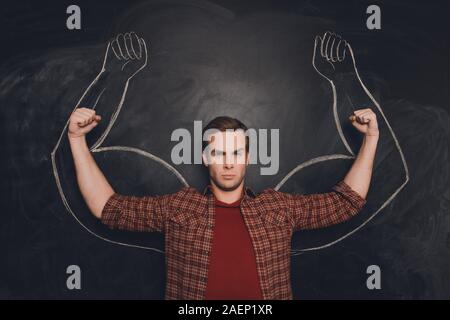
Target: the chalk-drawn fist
(81, 121)
(332, 55)
(126, 55)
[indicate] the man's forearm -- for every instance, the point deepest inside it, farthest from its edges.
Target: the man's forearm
(360, 174)
(92, 183)
(351, 92)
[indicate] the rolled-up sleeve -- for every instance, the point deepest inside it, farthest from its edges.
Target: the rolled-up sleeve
(132, 213)
(324, 209)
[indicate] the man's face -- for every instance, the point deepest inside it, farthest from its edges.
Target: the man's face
(226, 159)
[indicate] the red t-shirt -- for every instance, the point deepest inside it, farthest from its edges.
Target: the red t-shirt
(232, 270)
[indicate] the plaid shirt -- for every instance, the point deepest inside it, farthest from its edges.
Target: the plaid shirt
(187, 220)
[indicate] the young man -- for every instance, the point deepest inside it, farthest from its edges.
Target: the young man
(227, 242)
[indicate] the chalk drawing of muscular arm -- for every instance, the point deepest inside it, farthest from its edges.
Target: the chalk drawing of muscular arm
(126, 55)
(334, 60)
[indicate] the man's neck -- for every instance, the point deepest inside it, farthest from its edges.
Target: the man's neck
(228, 196)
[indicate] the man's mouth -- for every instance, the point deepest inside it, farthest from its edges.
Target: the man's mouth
(228, 176)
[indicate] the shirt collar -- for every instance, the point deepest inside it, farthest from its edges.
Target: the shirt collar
(247, 191)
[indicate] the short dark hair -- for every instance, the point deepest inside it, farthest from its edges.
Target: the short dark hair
(223, 123)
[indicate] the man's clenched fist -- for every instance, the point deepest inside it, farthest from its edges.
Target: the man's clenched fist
(365, 121)
(82, 121)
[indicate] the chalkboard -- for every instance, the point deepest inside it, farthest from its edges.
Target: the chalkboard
(252, 60)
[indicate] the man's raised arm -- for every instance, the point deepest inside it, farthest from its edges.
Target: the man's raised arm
(147, 213)
(348, 196)
(359, 176)
(92, 183)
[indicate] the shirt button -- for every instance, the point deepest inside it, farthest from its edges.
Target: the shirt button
(205, 251)
(210, 225)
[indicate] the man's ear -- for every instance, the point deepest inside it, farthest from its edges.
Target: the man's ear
(205, 162)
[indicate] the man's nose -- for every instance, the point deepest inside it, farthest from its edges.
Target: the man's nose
(229, 161)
